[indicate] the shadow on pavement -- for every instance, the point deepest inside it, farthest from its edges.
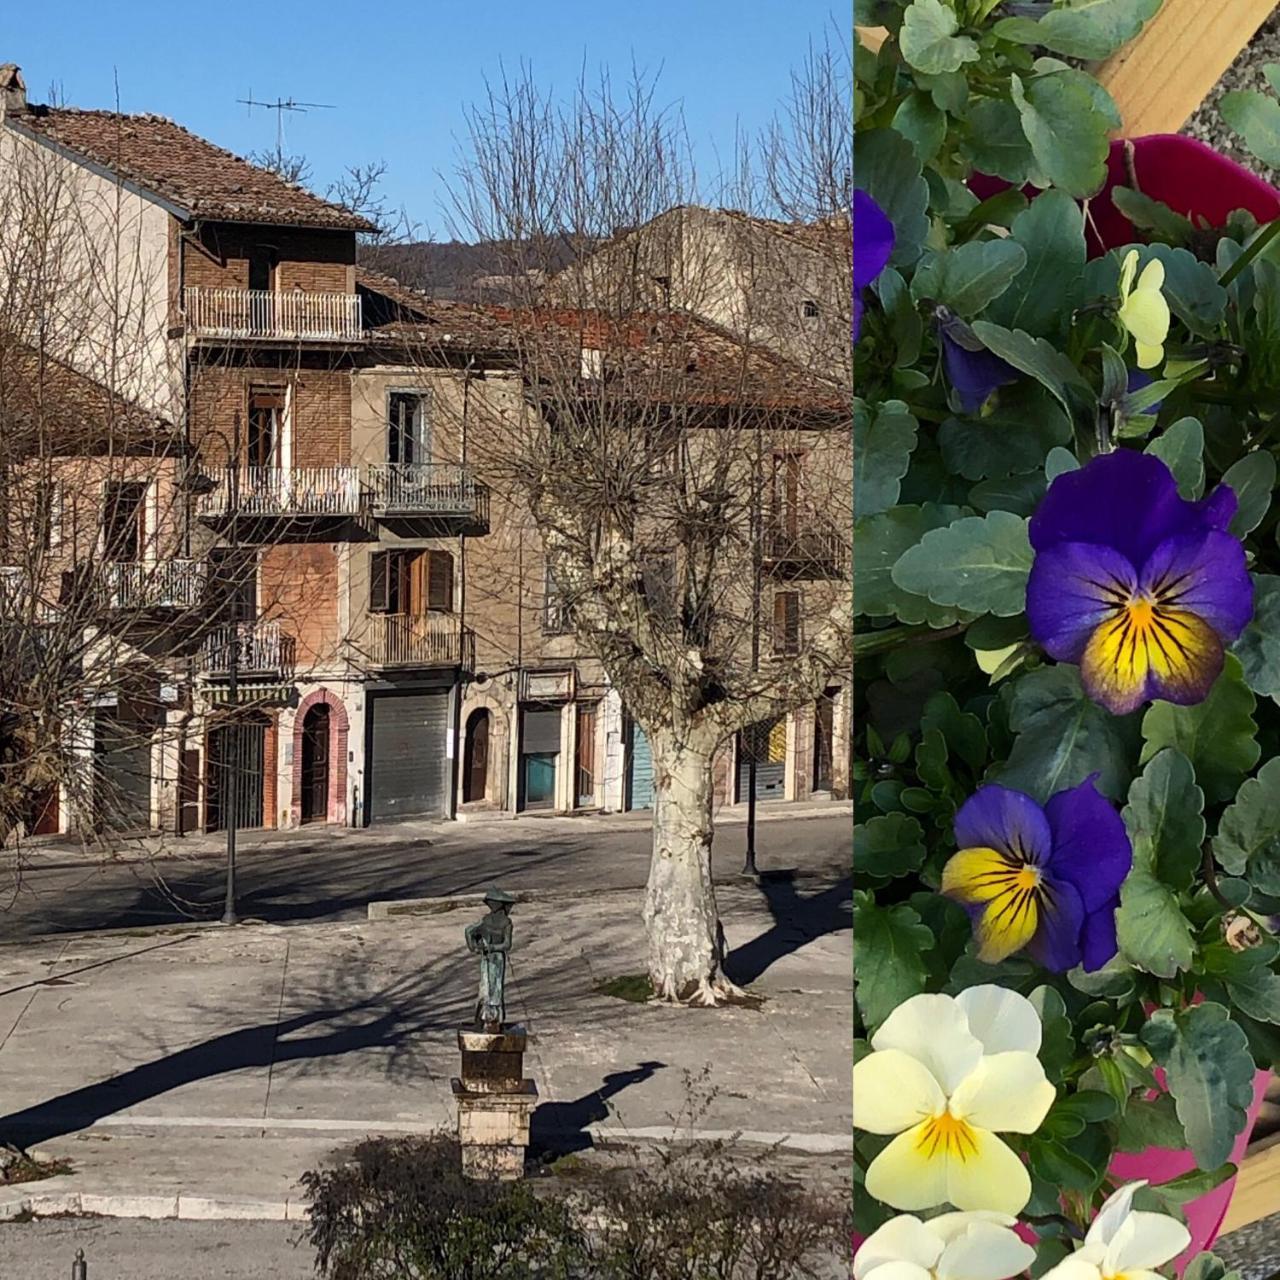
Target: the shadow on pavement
(560, 1128)
(797, 920)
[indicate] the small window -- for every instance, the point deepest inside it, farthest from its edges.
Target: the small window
(809, 309)
(407, 442)
(658, 584)
(48, 515)
(592, 363)
(786, 623)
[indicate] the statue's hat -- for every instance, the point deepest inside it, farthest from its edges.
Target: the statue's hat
(500, 896)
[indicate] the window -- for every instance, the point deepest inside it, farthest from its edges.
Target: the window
(123, 520)
(266, 427)
(658, 583)
(262, 263)
(809, 309)
(592, 363)
(233, 584)
(411, 582)
(407, 442)
(786, 623)
(555, 613)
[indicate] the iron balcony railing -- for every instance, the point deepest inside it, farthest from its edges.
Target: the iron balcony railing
(426, 640)
(808, 541)
(430, 488)
(292, 314)
(284, 491)
(258, 648)
(164, 584)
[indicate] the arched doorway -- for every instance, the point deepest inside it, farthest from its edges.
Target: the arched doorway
(475, 756)
(315, 764)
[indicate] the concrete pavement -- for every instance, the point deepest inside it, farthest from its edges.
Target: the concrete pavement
(333, 873)
(218, 1065)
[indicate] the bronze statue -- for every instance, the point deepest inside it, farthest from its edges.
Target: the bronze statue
(490, 939)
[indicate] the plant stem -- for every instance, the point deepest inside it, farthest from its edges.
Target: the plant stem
(1250, 253)
(1211, 883)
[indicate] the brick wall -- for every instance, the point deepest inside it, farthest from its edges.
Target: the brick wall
(315, 260)
(298, 586)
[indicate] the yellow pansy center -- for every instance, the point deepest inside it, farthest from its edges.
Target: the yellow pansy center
(947, 1136)
(1027, 878)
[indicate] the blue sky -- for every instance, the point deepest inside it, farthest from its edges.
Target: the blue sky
(399, 73)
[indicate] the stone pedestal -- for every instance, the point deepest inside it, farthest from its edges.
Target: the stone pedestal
(495, 1103)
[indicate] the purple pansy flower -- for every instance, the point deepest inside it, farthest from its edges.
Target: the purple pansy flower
(1044, 880)
(1142, 588)
(872, 246)
(973, 371)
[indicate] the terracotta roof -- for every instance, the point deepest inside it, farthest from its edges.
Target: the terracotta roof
(198, 177)
(674, 357)
(415, 317)
(47, 407)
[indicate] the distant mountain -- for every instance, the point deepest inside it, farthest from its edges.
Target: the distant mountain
(460, 271)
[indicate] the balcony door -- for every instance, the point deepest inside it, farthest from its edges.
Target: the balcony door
(124, 520)
(264, 438)
(414, 583)
(784, 504)
(408, 443)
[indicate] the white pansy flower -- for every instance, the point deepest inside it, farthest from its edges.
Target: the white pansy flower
(1123, 1243)
(953, 1246)
(946, 1075)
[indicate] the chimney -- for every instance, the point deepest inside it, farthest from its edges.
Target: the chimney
(13, 90)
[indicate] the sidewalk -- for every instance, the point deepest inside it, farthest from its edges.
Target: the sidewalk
(199, 1074)
(67, 851)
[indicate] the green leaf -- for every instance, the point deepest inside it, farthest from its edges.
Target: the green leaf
(922, 124)
(889, 845)
(1216, 735)
(1019, 494)
(1004, 444)
(1151, 215)
(882, 540)
(1190, 287)
(1259, 645)
(906, 325)
(949, 90)
(888, 956)
(1256, 118)
(1165, 815)
(1086, 29)
(1151, 929)
(970, 276)
(881, 455)
(1255, 991)
(1181, 448)
(1041, 298)
(1058, 463)
(979, 564)
(1210, 1072)
(890, 173)
(929, 42)
(1152, 1123)
(1209, 1267)
(1248, 839)
(1063, 737)
(961, 730)
(1253, 478)
(1035, 357)
(995, 142)
(1067, 132)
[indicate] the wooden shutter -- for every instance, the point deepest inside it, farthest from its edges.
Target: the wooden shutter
(379, 593)
(440, 581)
(786, 622)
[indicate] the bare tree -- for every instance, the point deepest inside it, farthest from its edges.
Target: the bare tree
(657, 451)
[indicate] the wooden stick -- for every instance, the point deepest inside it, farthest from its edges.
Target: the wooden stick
(1160, 78)
(1257, 1193)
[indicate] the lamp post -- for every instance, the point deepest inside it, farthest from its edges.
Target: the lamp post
(233, 497)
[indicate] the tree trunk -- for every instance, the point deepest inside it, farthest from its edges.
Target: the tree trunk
(686, 943)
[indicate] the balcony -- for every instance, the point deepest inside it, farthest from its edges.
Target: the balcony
(429, 640)
(809, 547)
(283, 493)
(438, 492)
(160, 586)
(290, 315)
(257, 649)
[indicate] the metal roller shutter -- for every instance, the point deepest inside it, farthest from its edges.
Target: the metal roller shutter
(640, 772)
(769, 744)
(408, 767)
(122, 773)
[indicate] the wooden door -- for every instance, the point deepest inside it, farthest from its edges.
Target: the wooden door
(315, 764)
(475, 776)
(585, 752)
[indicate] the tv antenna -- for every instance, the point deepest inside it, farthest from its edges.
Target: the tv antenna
(280, 106)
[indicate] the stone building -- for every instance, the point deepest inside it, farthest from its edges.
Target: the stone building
(317, 530)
